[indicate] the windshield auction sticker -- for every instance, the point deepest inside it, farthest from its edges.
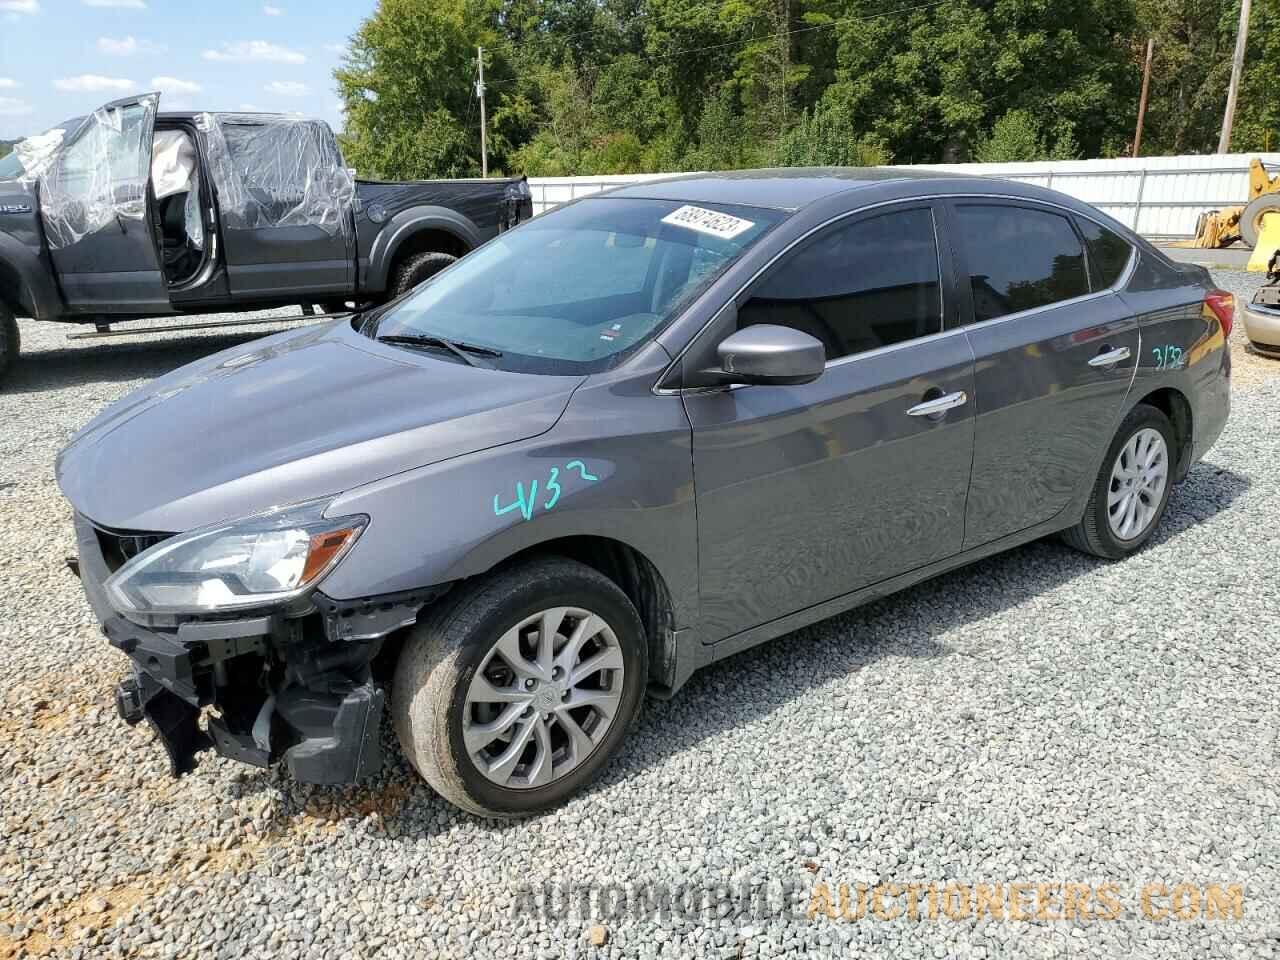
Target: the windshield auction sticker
(711, 222)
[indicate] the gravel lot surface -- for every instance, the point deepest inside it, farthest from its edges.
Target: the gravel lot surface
(1040, 717)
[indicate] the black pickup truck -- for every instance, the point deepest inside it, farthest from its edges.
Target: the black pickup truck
(129, 213)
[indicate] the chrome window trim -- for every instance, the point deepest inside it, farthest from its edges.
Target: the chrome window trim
(1120, 283)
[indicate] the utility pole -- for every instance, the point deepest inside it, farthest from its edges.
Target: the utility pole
(484, 153)
(1237, 67)
(1142, 102)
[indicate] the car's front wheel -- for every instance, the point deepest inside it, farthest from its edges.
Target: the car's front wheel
(10, 341)
(513, 693)
(1132, 488)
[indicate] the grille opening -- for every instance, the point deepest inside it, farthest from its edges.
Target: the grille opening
(118, 548)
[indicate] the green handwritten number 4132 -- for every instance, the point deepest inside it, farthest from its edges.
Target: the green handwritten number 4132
(528, 504)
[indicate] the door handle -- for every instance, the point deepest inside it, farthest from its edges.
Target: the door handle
(930, 408)
(1110, 357)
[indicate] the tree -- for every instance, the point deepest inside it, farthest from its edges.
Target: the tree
(406, 90)
(825, 137)
(619, 86)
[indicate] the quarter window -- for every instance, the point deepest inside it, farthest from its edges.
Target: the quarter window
(1019, 259)
(1108, 253)
(858, 287)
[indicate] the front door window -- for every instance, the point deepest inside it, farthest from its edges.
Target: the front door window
(101, 178)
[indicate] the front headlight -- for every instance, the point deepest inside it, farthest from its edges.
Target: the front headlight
(259, 561)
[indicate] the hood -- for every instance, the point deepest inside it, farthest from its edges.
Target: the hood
(300, 415)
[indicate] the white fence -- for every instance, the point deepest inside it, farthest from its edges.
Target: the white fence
(1157, 196)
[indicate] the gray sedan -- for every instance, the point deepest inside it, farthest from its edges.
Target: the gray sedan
(626, 439)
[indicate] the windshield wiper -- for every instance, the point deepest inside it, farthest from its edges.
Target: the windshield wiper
(457, 347)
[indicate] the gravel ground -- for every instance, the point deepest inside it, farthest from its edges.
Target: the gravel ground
(1040, 717)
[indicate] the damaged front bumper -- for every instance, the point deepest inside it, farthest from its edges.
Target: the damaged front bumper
(296, 688)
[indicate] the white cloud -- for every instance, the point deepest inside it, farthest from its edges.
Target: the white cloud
(287, 88)
(124, 4)
(338, 48)
(8, 83)
(259, 50)
(20, 6)
(250, 108)
(13, 107)
(271, 11)
(174, 86)
(93, 83)
(124, 47)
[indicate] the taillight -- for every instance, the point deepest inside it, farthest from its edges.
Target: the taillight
(1223, 305)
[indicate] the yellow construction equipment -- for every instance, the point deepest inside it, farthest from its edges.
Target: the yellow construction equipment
(1257, 223)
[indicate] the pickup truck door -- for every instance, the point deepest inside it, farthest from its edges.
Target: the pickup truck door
(94, 207)
(285, 202)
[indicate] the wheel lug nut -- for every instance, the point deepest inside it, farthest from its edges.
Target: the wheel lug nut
(546, 716)
(530, 684)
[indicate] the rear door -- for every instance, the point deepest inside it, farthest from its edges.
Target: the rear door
(1055, 350)
(95, 208)
(285, 202)
(809, 492)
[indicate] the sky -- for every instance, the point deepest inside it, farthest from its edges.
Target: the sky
(63, 58)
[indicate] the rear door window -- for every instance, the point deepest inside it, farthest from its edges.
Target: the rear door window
(1108, 253)
(1018, 258)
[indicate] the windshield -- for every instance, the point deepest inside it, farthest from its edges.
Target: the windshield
(576, 290)
(30, 156)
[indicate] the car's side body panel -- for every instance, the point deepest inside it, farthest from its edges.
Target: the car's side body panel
(1182, 347)
(809, 492)
(632, 483)
(26, 279)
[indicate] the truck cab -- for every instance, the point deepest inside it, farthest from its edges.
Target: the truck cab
(129, 213)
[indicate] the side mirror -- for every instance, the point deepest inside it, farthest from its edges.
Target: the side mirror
(765, 353)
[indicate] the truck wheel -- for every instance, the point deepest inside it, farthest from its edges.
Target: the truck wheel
(511, 695)
(10, 340)
(1251, 216)
(416, 269)
(1132, 488)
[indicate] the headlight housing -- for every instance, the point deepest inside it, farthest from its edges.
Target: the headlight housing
(260, 561)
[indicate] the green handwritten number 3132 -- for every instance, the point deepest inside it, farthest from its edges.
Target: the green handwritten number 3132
(1167, 357)
(528, 504)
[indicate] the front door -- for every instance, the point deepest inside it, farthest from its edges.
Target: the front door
(1055, 352)
(95, 209)
(285, 202)
(805, 493)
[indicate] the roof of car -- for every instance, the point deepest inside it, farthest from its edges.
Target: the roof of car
(786, 188)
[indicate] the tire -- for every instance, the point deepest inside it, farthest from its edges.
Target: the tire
(10, 341)
(416, 269)
(432, 688)
(1096, 533)
(1253, 212)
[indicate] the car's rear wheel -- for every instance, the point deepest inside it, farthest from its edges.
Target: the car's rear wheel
(10, 341)
(512, 694)
(1132, 488)
(418, 268)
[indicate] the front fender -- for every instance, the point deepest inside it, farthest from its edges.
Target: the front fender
(26, 283)
(403, 226)
(462, 517)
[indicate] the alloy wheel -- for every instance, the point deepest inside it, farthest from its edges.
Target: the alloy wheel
(544, 697)
(1138, 479)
